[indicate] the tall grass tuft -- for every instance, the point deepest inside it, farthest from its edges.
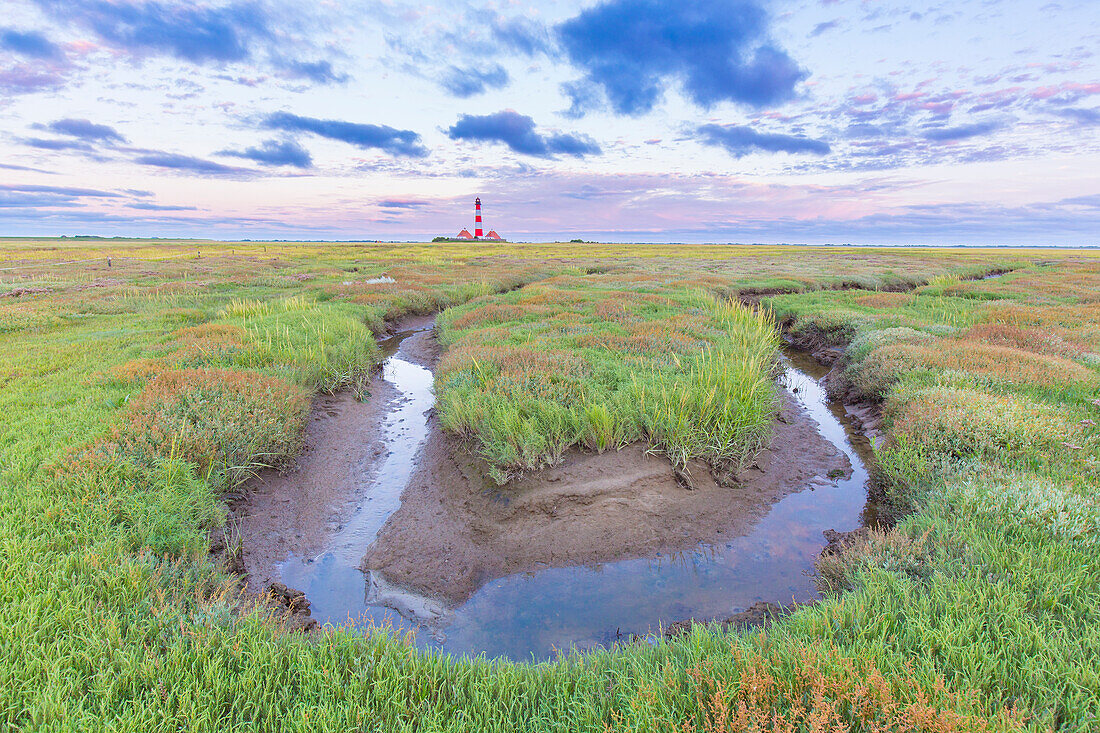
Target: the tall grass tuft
(601, 361)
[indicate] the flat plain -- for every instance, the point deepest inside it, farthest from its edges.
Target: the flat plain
(142, 382)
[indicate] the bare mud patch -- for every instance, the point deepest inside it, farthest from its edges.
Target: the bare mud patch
(455, 530)
(298, 512)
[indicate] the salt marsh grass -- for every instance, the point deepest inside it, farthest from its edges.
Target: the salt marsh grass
(132, 398)
(605, 360)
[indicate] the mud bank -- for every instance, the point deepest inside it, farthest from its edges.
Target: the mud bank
(866, 414)
(298, 512)
(388, 520)
(455, 530)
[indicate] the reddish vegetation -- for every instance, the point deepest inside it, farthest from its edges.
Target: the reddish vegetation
(217, 418)
(1027, 339)
(1004, 362)
(494, 313)
(967, 422)
(885, 300)
(815, 689)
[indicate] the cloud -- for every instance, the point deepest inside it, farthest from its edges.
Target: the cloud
(53, 144)
(175, 161)
(16, 196)
(160, 207)
(468, 82)
(10, 167)
(395, 142)
(200, 33)
(1080, 114)
(518, 133)
(739, 141)
(192, 32)
(83, 130)
(275, 152)
(822, 27)
(399, 204)
(59, 190)
(717, 49)
(317, 71)
(521, 35)
(31, 44)
(962, 132)
(24, 79)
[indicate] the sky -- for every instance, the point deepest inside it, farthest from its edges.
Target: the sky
(802, 121)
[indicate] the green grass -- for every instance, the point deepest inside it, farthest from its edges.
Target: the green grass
(979, 612)
(602, 361)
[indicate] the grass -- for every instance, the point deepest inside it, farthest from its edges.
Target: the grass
(602, 361)
(989, 391)
(133, 395)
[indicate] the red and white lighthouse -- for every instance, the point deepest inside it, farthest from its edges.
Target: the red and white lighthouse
(477, 218)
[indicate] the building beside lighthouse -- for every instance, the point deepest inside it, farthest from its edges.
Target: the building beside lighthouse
(479, 231)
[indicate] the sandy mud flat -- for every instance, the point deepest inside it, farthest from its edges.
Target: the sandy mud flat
(456, 530)
(387, 516)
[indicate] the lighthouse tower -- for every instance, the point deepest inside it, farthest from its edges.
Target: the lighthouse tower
(477, 218)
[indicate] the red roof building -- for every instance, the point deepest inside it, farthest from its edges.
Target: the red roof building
(465, 234)
(493, 235)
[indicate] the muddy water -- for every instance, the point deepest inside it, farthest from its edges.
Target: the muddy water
(531, 615)
(538, 613)
(333, 581)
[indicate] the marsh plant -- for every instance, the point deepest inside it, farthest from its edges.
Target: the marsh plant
(132, 399)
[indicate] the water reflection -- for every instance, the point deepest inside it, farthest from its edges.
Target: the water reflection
(532, 615)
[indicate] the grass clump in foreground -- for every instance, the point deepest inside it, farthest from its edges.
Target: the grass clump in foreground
(606, 360)
(979, 612)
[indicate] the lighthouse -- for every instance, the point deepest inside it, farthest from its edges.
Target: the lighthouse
(479, 231)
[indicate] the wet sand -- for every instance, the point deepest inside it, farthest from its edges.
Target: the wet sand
(299, 511)
(455, 530)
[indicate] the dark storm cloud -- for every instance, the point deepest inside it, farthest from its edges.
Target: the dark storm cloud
(719, 50)
(393, 141)
(83, 130)
(175, 161)
(468, 82)
(518, 133)
(31, 44)
(740, 141)
(962, 132)
(275, 152)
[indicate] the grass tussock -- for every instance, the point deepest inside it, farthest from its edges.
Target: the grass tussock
(582, 360)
